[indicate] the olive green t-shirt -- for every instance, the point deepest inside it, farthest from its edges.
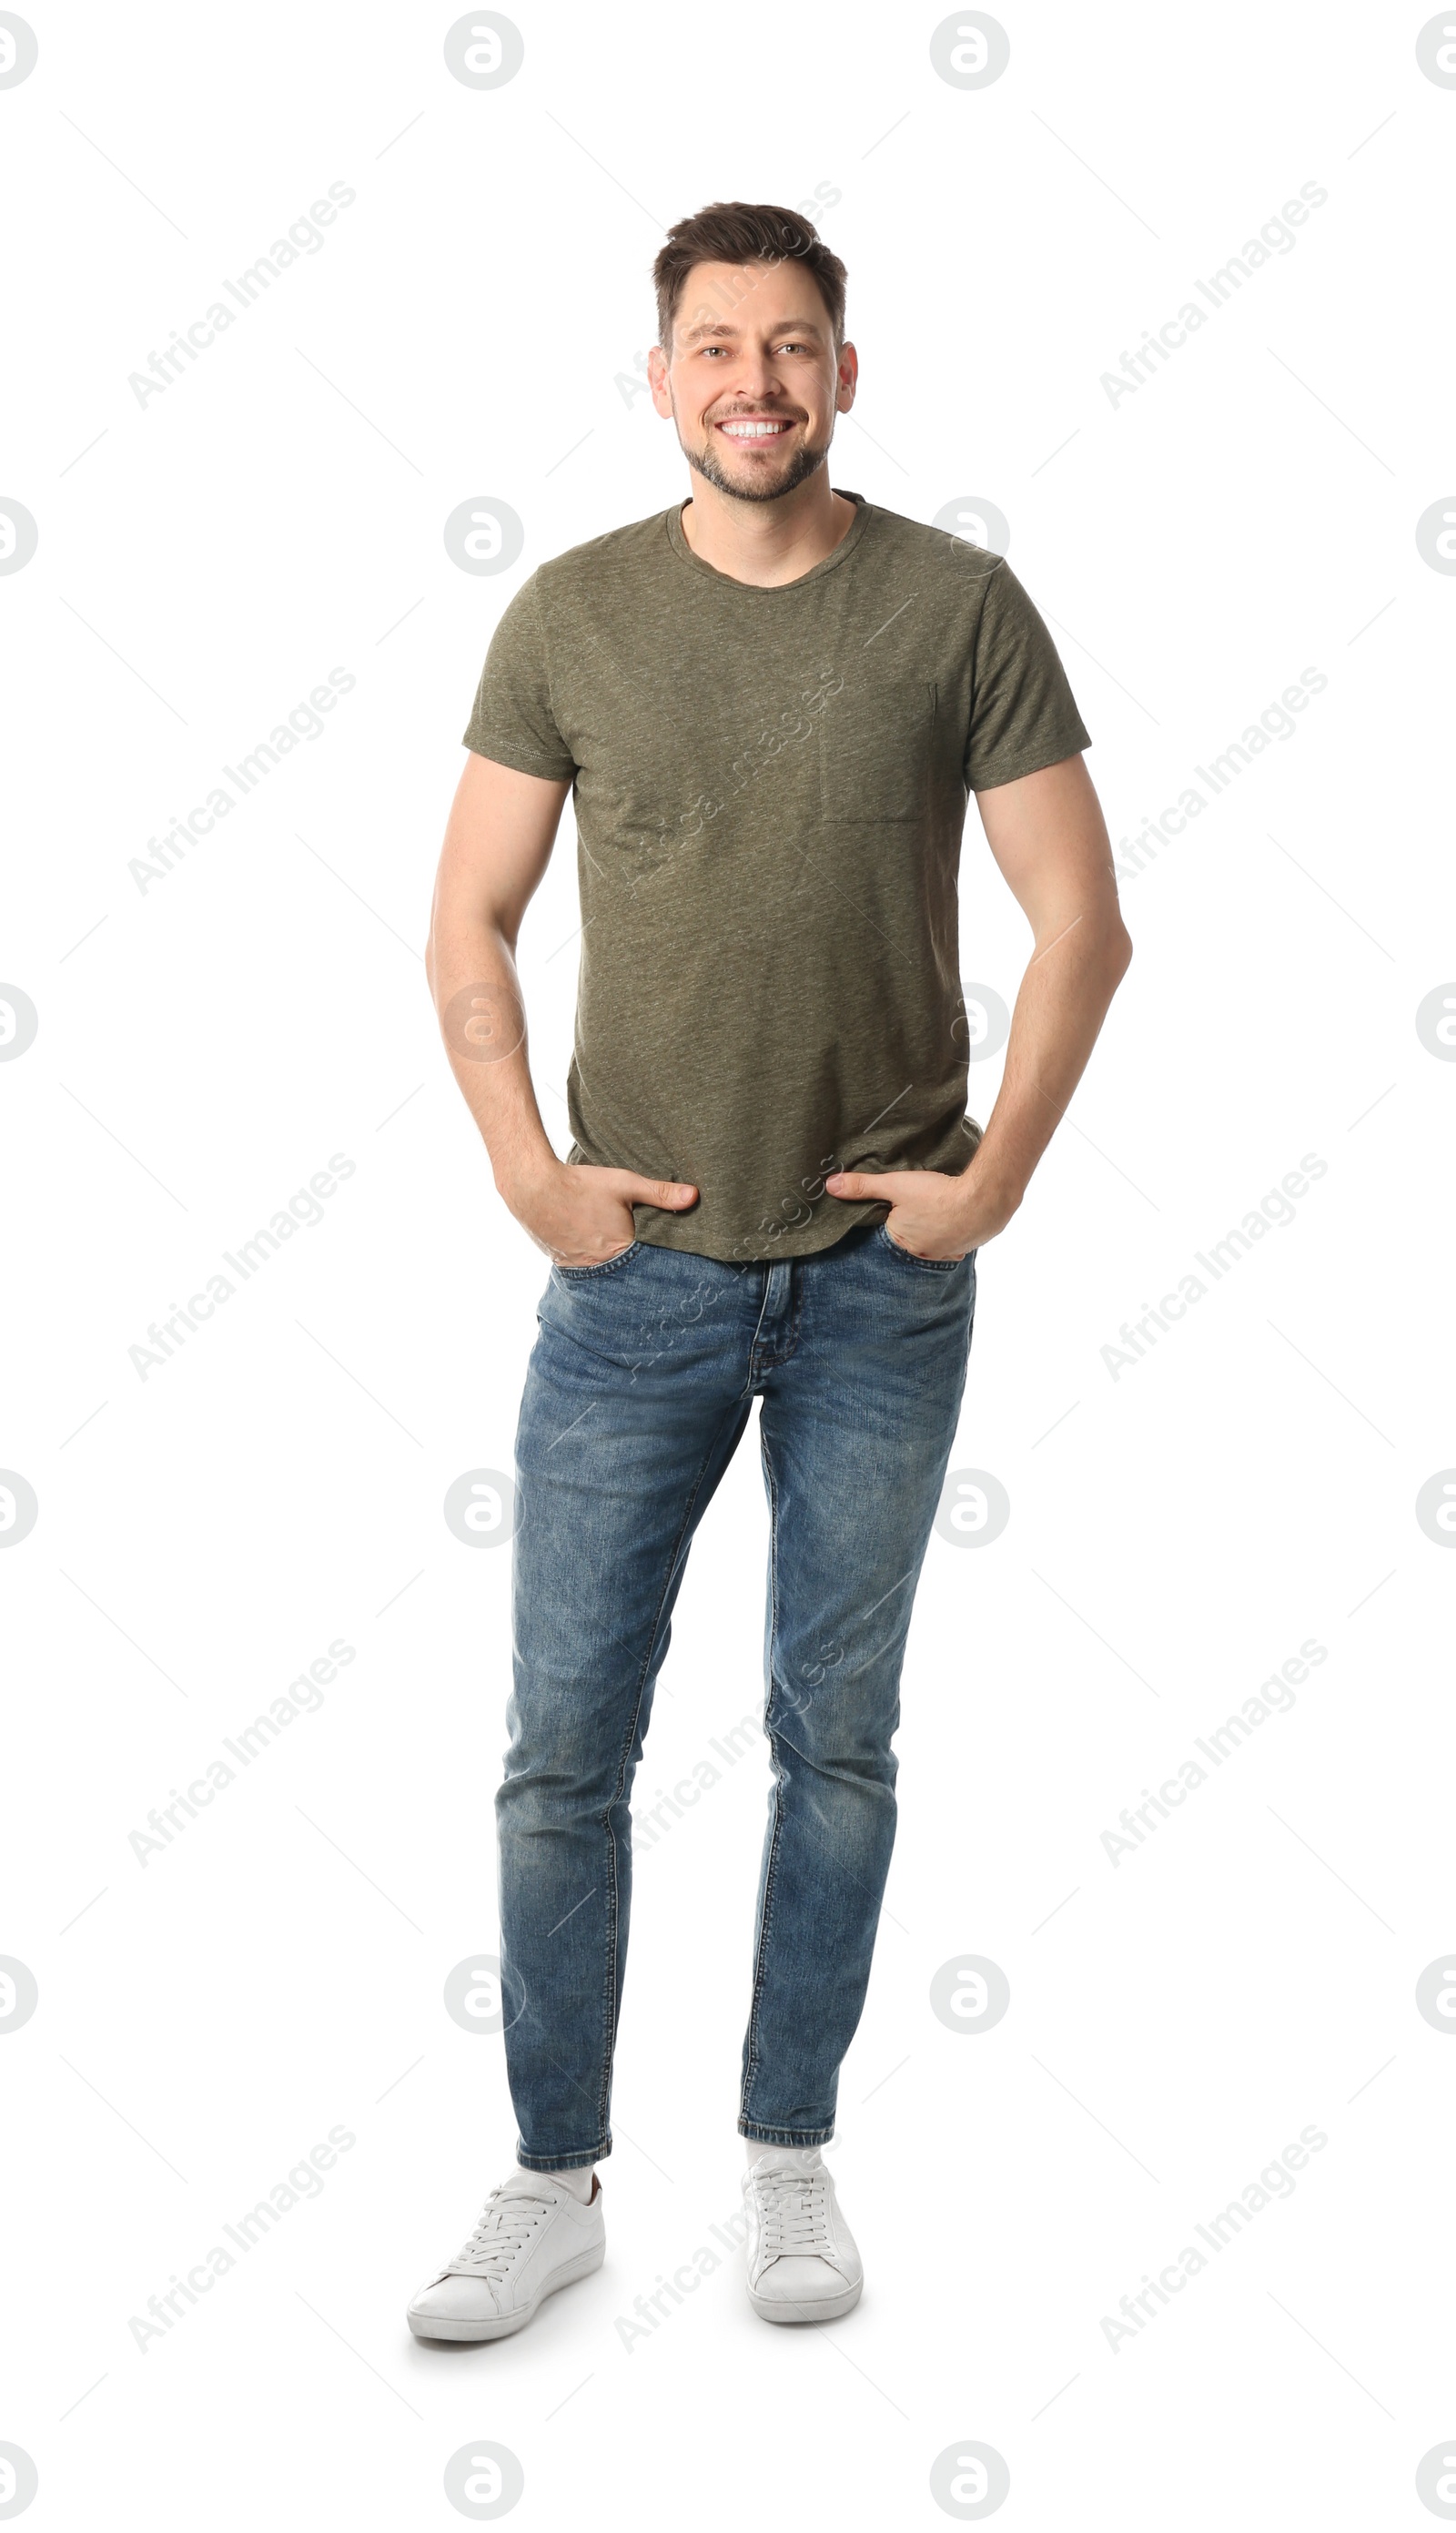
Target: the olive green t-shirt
(770, 789)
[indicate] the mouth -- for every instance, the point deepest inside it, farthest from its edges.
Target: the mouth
(754, 430)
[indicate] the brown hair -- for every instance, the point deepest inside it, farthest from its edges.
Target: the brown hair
(745, 233)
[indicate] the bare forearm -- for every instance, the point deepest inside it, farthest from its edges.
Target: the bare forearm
(471, 971)
(1063, 1002)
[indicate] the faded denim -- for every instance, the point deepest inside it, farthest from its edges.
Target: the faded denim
(639, 1386)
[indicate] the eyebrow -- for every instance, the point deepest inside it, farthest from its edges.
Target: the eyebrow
(721, 328)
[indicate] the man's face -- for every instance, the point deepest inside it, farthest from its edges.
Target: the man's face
(753, 382)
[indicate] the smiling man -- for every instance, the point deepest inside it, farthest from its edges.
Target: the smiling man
(769, 703)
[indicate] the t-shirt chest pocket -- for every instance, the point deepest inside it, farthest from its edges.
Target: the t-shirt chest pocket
(875, 747)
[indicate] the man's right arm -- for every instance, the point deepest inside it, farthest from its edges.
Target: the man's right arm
(501, 828)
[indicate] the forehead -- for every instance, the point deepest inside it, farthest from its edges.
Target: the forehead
(727, 302)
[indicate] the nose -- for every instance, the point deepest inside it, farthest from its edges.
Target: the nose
(754, 381)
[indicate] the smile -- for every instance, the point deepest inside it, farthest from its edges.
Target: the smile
(748, 427)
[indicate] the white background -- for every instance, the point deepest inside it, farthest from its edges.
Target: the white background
(206, 1043)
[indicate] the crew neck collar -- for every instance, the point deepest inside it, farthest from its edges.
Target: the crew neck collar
(778, 589)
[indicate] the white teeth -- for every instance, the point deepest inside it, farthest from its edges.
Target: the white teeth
(754, 430)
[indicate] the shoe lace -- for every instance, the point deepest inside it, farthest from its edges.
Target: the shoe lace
(506, 2225)
(794, 2210)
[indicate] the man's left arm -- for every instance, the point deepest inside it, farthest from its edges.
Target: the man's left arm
(1050, 841)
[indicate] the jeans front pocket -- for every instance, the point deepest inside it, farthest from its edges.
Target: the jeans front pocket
(929, 1266)
(605, 1266)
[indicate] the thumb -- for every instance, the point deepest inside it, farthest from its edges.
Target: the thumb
(858, 1183)
(671, 1193)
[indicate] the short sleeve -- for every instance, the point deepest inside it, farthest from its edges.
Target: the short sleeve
(512, 720)
(1022, 713)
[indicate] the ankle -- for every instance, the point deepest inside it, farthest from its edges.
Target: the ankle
(776, 2156)
(579, 2180)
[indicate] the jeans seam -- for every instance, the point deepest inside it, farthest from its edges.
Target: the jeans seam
(770, 1876)
(564, 2162)
(763, 2135)
(612, 1897)
(758, 1323)
(764, 1357)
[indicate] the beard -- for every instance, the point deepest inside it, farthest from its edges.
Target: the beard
(705, 462)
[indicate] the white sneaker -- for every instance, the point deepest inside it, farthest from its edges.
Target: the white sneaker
(532, 2238)
(803, 2265)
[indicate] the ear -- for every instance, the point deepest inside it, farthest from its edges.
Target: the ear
(657, 379)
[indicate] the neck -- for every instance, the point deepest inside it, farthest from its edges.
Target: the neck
(767, 543)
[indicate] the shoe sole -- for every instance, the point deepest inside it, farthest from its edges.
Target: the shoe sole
(502, 2325)
(808, 2308)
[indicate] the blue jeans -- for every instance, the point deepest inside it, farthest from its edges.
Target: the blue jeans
(639, 1386)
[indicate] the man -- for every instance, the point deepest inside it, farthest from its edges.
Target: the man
(769, 703)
